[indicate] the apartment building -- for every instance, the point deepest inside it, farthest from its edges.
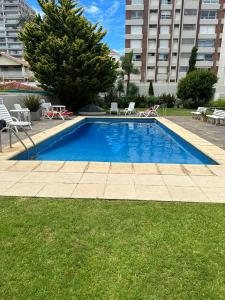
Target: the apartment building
(11, 12)
(162, 33)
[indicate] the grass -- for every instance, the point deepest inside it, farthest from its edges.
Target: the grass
(172, 111)
(67, 249)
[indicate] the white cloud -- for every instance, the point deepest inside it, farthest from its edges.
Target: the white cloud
(92, 9)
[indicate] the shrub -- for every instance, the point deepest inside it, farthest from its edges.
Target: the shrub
(168, 99)
(196, 89)
(32, 102)
(218, 103)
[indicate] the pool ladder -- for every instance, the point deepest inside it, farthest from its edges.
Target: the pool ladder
(13, 132)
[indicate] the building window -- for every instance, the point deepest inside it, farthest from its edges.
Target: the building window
(190, 12)
(164, 29)
(185, 55)
(165, 14)
(208, 14)
(188, 41)
(207, 29)
(206, 43)
(137, 14)
(163, 57)
(164, 44)
(183, 69)
(137, 57)
(136, 29)
(134, 2)
(205, 57)
(210, 1)
(136, 44)
(189, 27)
(166, 1)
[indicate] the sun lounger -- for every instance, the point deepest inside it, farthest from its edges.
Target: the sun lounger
(130, 109)
(152, 112)
(114, 108)
(198, 113)
(217, 116)
(11, 121)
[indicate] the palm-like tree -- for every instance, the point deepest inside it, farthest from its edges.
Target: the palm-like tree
(128, 67)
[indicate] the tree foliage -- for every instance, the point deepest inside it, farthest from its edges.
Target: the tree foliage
(151, 89)
(128, 67)
(66, 53)
(197, 87)
(193, 59)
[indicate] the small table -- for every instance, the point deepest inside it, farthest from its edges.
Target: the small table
(22, 114)
(59, 108)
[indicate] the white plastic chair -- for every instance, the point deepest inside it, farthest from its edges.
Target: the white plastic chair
(11, 121)
(25, 112)
(130, 109)
(114, 108)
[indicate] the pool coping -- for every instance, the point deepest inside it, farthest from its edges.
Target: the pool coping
(212, 151)
(128, 181)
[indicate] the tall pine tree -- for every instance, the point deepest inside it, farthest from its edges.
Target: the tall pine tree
(151, 89)
(193, 59)
(66, 53)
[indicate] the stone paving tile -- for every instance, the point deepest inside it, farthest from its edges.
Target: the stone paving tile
(209, 181)
(4, 186)
(173, 180)
(50, 177)
(57, 190)
(155, 193)
(5, 164)
(171, 169)
(213, 195)
(11, 176)
(145, 169)
(198, 170)
(73, 166)
(148, 179)
(121, 168)
(49, 166)
(93, 178)
(24, 189)
(120, 179)
(120, 191)
(187, 194)
(24, 166)
(100, 167)
(218, 170)
(91, 191)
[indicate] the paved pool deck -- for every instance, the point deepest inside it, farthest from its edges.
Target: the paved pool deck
(157, 182)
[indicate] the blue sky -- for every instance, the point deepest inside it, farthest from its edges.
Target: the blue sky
(109, 13)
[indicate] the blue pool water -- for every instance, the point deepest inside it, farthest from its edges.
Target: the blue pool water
(104, 140)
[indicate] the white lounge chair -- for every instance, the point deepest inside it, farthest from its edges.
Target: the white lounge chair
(114, 108)
(152, 112)
(24, 112)
(197, 114)
(130, 109)
(11, 121)
(217, 116)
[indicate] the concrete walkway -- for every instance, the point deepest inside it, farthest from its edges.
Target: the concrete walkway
(212, 133)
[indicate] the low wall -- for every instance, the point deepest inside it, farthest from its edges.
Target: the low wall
(159, 88)
(9, 99)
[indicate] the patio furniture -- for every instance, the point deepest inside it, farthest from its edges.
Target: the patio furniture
(114, 108)
(198, 113)
(23, 114)
(50, 111)
(152, 112)
(217, 116)
(11, 121)
(130, 109)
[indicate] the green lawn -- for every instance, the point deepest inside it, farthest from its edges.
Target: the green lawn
(68, 249)
(173, 111)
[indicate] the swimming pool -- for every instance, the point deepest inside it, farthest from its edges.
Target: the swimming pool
(119, 140)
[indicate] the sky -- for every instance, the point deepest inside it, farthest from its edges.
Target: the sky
(109, 13)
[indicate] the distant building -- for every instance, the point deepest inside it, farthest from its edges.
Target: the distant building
(115, 55)
(11, 13)
(162, 33)
(12, 68)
